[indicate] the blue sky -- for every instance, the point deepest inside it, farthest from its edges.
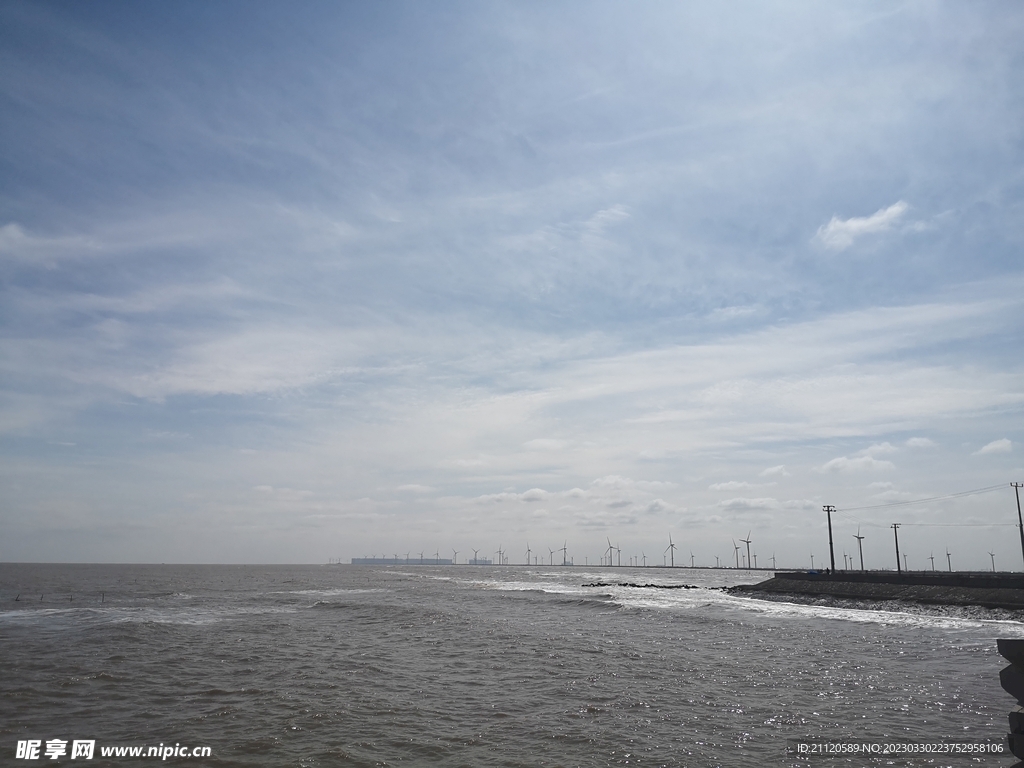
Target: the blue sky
(282, 283)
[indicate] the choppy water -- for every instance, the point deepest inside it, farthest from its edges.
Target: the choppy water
(466, 666)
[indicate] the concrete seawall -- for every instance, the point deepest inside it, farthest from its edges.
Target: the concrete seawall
(989, 590)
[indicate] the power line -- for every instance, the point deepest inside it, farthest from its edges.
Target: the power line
(976, 491)
(966, 525)
(845, 511)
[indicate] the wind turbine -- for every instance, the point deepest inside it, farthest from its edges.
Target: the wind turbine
(609, 551)
(671, 549)
(421, 558)
(860, 546)
(476, 552)
(551, 557)
(618, 556)
(932, 558)
(564, 550)
(437, 557)
(773, 561)
(747, 541)
(455, 557)
(527, 553)
(736, 551)
(812, 561)
(755, 560)
(691, 559)
(645, 557)
(993, 556)
(949, 562)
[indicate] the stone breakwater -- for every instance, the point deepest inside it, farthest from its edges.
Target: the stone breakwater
(988, 590)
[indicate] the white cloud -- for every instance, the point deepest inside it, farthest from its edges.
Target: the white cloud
(601, 220)
(996, 446)
(613, 481)
(412, 487)
(654, 485)
(920, 442)
(878, 448)
(732, 485)
(857, 464)
(773, 471)
(839, 234)
(534, 494)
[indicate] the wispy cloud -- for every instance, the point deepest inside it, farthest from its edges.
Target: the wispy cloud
(840, 234)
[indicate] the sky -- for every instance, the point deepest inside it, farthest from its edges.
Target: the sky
(299, 282)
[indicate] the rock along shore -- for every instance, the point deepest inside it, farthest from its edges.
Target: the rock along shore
(988, 590)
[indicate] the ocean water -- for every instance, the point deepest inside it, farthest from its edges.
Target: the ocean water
(479, 666)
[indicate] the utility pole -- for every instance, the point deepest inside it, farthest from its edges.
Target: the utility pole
(829, 509)
(1020, 522)
(860, 547)
(896, 535)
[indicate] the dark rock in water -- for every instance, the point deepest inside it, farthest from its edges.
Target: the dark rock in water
(640, 586)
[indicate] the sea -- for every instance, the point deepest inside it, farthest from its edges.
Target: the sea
(342, 665)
